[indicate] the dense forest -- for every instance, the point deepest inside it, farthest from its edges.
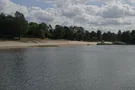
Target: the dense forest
(14, 27)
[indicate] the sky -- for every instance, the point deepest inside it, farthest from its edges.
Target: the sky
(110, 15)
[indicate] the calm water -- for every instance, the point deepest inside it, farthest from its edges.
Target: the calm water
(68, 68)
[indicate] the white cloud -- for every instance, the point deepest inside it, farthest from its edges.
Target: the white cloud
(113, 14)
(117, 10)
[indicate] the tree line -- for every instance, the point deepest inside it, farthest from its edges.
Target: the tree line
(14, 27)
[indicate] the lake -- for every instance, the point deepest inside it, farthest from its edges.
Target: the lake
(68, 68)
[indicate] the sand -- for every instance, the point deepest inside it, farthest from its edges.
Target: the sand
(32, 42)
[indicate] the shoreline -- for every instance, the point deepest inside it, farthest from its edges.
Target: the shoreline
(25, 43)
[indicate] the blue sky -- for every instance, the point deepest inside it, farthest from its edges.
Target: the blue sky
(99, 3)
(30, 3)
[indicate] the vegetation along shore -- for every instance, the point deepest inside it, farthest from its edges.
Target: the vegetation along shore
(14, 27)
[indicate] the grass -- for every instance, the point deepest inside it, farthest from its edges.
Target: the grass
(113, 43)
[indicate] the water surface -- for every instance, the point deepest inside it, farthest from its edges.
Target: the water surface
(68, 68)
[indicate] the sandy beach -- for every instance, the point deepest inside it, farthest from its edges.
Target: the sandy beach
(25, 42)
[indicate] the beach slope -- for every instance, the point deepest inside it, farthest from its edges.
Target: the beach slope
(32, 42)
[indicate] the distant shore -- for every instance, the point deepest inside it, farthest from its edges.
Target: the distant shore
(32, 42)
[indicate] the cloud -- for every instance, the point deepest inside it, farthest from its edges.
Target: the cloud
(117, 10)
(113, 14)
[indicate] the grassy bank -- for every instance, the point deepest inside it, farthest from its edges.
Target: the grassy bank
(113, 43)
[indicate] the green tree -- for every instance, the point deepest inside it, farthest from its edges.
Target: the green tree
(80, 33)
(8, 27)
(22, 24)
(119, 35)
(68, 33)
(93, 36)
(99, 35)
(44, 27)
(58, 32)
(126, 37)
(133, 37)
(50, 31)
(86, 36)
(34, 30)
(105, 36)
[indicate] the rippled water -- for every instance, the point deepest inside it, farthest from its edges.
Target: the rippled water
(68, 68)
